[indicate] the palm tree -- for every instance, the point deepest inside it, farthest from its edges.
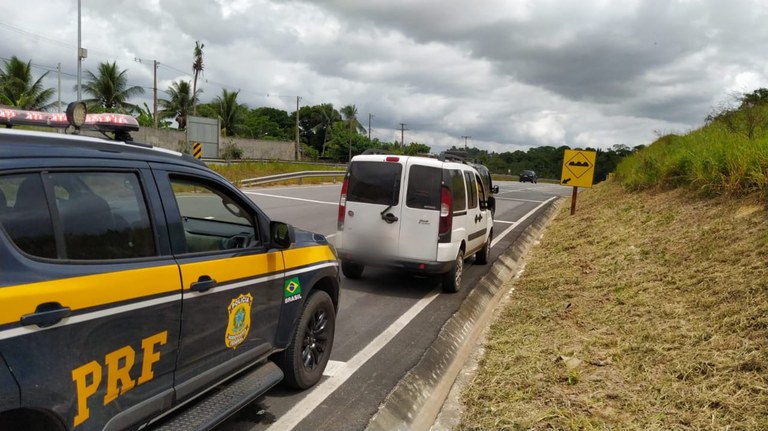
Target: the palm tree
(109, 89)
(228, 110)
(197, 66)
(328, 118)
(179, 104)
(352, 124)
(19, 89)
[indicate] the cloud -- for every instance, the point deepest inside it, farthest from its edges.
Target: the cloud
(510, 73)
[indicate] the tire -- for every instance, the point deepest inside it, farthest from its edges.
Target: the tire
(452, 278)
(304, 361)
(482, 256)
(352, 270)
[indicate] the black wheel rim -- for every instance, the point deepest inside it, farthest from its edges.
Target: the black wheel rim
(315, 340)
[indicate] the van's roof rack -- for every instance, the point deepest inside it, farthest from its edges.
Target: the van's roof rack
(376, 151)
(453, 156)
(75, 117)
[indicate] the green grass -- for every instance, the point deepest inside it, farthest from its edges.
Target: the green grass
(710, 161)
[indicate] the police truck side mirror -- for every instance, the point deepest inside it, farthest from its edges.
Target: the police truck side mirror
(281, 234)
(495, 189)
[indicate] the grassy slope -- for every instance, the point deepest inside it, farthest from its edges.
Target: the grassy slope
(643, 311)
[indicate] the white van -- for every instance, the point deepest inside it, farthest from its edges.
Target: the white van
(419, 214)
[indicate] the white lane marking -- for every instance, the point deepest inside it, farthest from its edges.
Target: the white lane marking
(303, 408)
(519, 200)
(333, 368)
(504, 222)
(292, 198)
(522, 219)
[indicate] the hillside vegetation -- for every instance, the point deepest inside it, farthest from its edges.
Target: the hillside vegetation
(647, 309)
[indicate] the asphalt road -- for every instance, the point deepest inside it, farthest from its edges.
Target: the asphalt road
(386, 320)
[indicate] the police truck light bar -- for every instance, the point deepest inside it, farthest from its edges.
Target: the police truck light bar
(100, 122)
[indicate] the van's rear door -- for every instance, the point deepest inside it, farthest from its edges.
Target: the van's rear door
(371, 224)
(420, 214)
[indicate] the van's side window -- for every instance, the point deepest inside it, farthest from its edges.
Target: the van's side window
(212, 219)
(423, 190)
(480, 188)
(471, 189)
(458, 192)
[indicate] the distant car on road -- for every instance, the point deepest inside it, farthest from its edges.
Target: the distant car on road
(529, 176)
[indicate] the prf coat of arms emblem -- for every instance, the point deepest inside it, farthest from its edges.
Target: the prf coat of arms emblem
(239, 320)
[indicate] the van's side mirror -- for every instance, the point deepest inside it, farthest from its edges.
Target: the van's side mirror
(495, 189)
(282, 234)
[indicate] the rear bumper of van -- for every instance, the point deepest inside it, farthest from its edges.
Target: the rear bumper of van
(408, 265)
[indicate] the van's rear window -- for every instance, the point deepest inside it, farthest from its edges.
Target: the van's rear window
(423, 190)
(374, 183)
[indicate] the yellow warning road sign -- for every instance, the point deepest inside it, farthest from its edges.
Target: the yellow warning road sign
(197, 150)
(578, 168)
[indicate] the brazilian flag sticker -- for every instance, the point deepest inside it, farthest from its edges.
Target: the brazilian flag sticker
(292, 288)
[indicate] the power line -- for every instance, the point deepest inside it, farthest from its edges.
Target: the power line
(140, 60)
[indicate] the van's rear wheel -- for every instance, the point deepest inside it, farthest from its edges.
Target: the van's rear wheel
(352, 270)
(452, 278)
(482, 256)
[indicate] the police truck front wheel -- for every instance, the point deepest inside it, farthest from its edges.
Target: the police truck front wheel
(452, 278)
(352, 270)
(304, 361)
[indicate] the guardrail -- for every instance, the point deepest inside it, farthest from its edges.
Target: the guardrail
(292, 176)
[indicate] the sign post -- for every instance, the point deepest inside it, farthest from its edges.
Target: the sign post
(578, 171)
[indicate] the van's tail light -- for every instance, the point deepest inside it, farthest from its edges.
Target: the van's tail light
(342, 205)
(446, 213)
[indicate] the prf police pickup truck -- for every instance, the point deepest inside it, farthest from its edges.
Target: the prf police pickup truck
(135, 281)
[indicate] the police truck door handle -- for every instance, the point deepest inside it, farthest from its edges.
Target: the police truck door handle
(203, 283)
(47, 314)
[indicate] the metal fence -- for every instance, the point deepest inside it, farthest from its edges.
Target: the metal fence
(291, 176)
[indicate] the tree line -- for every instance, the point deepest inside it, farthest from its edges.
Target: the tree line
(325, 133)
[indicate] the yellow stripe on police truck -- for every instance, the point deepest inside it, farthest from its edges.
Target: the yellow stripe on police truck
(88, 291)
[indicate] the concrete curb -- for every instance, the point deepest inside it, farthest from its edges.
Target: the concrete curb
(415, 402)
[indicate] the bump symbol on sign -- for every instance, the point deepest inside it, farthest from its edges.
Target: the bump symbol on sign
(578, 165)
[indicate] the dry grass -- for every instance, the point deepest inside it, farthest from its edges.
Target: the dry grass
(643, 311)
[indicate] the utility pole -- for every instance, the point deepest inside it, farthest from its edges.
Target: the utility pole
(465, 141)
(369, 126)
(79, 54)
(402, 135)
(58, 73)
(298, 153)
(154, 112)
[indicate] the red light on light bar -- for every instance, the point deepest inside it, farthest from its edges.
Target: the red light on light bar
(393, 159)
(104, 122)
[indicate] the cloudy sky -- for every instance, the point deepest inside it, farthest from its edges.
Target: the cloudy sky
(512, 74)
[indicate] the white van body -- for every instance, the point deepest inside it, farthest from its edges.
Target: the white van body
(390, 215)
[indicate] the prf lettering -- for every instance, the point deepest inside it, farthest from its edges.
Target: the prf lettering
(119, 364)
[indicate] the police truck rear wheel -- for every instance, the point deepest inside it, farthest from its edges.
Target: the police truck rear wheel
(452, 278)
(304, 361)
(352, 270)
